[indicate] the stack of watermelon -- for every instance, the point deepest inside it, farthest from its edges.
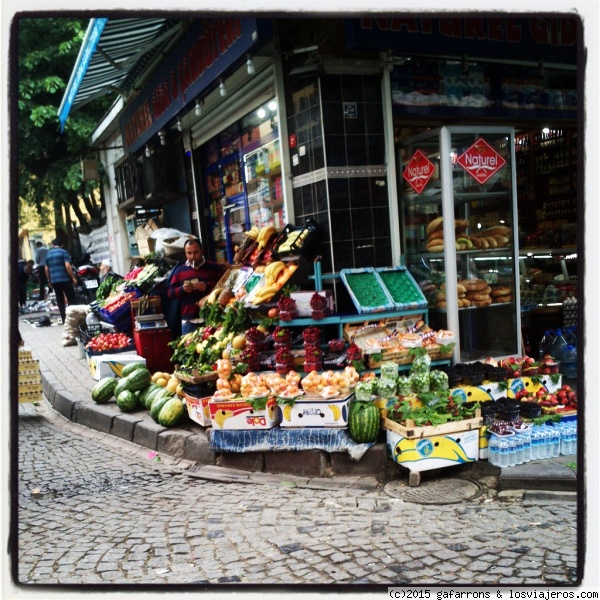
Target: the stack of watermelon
(135, 390)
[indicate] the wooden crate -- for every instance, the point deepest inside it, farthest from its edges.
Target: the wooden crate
(411, 432)
(196, 377)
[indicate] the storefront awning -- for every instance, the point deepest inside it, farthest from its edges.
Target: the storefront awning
(113, 54)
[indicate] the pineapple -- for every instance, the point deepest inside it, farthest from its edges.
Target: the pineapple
(226, 294)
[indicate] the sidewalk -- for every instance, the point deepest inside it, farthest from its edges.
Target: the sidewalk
(67, 385)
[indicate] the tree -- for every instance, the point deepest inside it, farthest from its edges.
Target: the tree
(48, 160)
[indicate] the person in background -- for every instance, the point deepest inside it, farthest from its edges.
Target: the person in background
(61, 277)
(40, 261)
(105, 268)
(192, 281)
(24, 270)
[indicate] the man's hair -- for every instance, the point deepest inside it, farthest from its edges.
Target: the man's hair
(192, 241)
(38, 244)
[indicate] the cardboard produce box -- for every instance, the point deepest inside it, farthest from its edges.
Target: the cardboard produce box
(434, 452)
(111, 365)
(238, 414)
(316, 412)
(198, 409)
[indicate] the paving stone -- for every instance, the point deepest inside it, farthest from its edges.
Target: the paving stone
(146, 434)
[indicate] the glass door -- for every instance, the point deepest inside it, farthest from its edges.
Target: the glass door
(459, 235)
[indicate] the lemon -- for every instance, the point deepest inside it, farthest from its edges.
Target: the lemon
(239, 342)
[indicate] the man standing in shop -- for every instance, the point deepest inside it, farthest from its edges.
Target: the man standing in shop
(192, 281)
(40, 261)
(61, 278)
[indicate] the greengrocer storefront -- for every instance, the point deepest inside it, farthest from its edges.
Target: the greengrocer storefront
(412, 215)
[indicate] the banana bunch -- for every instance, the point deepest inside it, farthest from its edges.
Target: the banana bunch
(264, 236)
(265, 293)
(212, 297)
(287, 245)
(253, 233)
(273, 270)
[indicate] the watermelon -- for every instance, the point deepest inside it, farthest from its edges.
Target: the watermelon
(138, 380)
(172, 412)
(363, 422)
(104, 390)
(131, 367)
(127, 401)
(121, 386)
(147, 394)
(159, 401)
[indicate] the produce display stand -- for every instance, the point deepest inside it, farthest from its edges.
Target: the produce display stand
(433, 447)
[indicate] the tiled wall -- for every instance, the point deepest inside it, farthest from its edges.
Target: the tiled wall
(346, 193)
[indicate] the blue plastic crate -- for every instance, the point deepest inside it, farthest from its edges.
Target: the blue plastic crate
(403, 277)
(367, 290)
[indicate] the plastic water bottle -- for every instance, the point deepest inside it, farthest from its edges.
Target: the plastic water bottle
(569, 336)
(569, 364)
(564, 439)
(545, 450)
(503, 450)
(518, 443)
(555, 442)
(558, 346)
(526, 447)
(544, 345)
(493, 457)
(535, 442)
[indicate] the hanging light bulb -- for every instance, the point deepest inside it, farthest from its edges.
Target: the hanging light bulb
(222, 88)
(250, 65)
(148, 153)
(163, 137)
(179, 125)
(198, 109)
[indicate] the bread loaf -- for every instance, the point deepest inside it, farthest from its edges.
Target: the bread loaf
(435, 224)
(496, 230)
(500, 290)
(474, 285)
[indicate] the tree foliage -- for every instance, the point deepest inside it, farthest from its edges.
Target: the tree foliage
(48, 160)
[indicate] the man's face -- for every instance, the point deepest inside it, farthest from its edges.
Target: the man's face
(193, 253)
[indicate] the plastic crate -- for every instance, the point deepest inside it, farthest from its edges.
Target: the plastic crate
(366, 290)
(305, 235)
(402, 288)
(153, 345)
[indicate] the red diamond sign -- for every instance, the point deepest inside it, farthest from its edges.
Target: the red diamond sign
(481, 161)
(419, 171)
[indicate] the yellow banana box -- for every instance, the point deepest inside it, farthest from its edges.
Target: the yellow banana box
(238, 414)
(435, 452)
(489, 390)
(111, 365)
(198, 409)
(316, 412)
(548, 383)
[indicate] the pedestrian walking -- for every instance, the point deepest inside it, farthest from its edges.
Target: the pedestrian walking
(60, 275)
(192, 281)
(40, 260)
(24, 270)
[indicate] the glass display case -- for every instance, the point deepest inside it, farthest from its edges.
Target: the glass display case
(460, 235)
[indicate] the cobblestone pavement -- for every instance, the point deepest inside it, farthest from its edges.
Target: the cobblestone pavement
(93, 511)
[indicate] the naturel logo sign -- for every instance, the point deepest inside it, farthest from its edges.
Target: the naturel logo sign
(418, 171)
(481, 161)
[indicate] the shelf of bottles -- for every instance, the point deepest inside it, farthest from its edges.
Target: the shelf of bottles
(546, 164)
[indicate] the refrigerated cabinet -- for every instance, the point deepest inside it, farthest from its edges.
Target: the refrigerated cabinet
(463, 179)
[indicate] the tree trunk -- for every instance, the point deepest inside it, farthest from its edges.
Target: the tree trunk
(91, 207)
(84, 226)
